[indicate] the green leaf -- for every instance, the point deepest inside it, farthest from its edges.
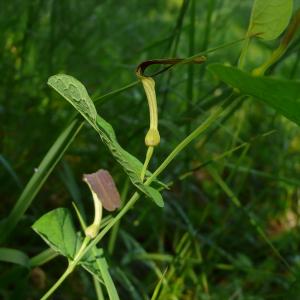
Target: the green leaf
(14, 256)
(282, 95)
(95, 263)
(269, 18)
(74, 91)
(57, 229)
(154, 195)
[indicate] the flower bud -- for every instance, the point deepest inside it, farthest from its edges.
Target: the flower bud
(152, 137)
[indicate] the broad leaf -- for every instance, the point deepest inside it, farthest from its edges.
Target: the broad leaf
(74, 91)
(282, 95)
(269, 18)
(57, 229)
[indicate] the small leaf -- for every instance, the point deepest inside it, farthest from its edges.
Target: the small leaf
(282, 95)
(103, 185)
(57, 229)
(269, 18)
(155, 195)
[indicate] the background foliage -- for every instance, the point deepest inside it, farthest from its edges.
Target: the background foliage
(211, 248)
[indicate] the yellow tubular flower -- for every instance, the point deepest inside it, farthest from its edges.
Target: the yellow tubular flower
(152, 137)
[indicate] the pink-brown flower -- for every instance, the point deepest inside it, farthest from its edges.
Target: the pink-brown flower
(103, 186)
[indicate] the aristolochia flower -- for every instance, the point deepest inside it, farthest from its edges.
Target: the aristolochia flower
(104, 193)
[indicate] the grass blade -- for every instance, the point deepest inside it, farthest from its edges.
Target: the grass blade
(37, 180)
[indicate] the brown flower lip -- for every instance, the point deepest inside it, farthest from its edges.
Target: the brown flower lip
(102, 184)
(140, 70)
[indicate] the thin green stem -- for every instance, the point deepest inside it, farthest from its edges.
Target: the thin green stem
(108, 95)
(242, 58)
(81, 250)
(147, 160)
(114, 232)
(98, 288)
(191, 58)
(69, 270)
(190, 71)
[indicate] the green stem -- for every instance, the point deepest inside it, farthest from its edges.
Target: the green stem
(147, 160)
(108, 95)
(98, 288)
(242, 59)
(57, 283)
(114, 232)
(69, 270)
(81, 250)
(191, 58)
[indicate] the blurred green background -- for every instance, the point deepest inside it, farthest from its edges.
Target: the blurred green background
(211, 248)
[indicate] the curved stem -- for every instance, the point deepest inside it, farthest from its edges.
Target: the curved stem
(69, 270)
(146, 163)
(242, 58)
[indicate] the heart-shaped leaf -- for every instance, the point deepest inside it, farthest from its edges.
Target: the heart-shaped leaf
(57, 229)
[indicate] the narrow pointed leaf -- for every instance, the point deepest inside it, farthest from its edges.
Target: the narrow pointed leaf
(95, 263)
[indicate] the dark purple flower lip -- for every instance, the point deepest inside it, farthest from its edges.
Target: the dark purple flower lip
(103, 186)
(141, 68)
